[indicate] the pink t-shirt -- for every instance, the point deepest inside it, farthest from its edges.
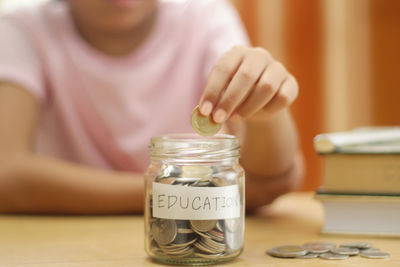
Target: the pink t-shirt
(101, 110)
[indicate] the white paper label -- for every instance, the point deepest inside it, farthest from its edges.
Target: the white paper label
(195, 203)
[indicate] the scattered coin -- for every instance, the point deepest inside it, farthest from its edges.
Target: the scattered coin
(345, 251)
(335, 253)
(309, 256)
(359, 245)
(370, 250)
(375, 255)
(164, 231)
(203, 125)
(333, 256)
(319, 247)
(289, 251)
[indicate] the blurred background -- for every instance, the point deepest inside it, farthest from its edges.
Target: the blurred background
(345, 55)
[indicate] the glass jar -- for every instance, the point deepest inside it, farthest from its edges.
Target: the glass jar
(194, 208)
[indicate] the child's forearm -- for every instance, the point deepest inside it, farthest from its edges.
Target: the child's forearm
(36, 184)
(271, 157)
(269, 146)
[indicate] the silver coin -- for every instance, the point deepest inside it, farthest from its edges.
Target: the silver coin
(309, 256)
(214, 244)
(203, 225)
(217, 181)
(167, 180)
(164, 231)
(216, 235)
(360, 245)
(205, 234)
(319, 247)
(185, 180)
(370, 250)
(289, 251)
(185, 231)
(201, 246)
(201, 183)
(220, 226)
(332, 256)
(180, 245)
(345, 251)
(183, 239)
(202, 172)
(375, 255)
(169, 171)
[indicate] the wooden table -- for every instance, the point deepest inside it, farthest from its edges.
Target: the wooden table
(118, 240)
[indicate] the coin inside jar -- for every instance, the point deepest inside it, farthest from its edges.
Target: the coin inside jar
(204, 125)
(203, 225)
(164, 231)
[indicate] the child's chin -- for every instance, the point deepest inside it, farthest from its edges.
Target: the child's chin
(126, 3)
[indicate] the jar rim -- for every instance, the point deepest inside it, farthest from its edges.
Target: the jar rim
(191, 137)
(194, 147)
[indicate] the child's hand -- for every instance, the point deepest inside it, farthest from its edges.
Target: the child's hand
(247, 82)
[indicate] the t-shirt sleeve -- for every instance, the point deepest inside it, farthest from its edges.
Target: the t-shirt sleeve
(223, 29)
(19, 62)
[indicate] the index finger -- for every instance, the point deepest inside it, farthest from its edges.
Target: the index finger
(218, 80)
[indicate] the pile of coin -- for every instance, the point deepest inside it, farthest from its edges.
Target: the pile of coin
(194, 238)
(328, 251)
(188, 238)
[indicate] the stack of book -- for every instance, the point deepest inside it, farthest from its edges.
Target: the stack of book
(361, 187)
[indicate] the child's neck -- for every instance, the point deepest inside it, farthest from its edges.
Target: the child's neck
(117, 44)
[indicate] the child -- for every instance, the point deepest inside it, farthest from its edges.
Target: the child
(85, 84)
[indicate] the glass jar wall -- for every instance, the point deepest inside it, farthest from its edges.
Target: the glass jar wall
(194, 211)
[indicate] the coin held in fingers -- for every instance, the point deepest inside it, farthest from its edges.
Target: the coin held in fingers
(204, 125)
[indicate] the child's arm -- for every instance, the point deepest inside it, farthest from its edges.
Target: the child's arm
(30, 183)
(250, 87)
(271, 157)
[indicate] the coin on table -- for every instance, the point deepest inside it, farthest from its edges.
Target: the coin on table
(360, 245)
(370, 250)
(164, 231)
(319, 247)
(289, 251)
(203, 225)
(332, 256)
(345, 251)
(375, 254)
(204, 125)
(308, 256)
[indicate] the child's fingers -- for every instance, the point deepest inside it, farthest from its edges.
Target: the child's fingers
(264, 90)
(220, 76)
(285, 96)
(242, 82)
